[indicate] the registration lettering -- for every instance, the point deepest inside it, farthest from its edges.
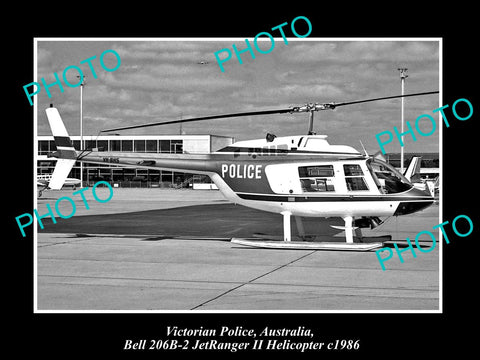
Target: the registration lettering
(111, 159)
(238, 171)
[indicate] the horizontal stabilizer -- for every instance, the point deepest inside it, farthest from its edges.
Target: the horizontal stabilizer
(343, 227)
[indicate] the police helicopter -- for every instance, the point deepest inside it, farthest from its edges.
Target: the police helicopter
(299, 176)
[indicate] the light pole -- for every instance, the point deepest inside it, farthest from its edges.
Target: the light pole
(403, 76)
(81, 124)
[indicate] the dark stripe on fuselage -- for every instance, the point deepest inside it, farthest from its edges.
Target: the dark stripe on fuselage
(409, 207)
(303, 198)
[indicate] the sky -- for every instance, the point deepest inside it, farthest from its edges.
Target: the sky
(166, 79)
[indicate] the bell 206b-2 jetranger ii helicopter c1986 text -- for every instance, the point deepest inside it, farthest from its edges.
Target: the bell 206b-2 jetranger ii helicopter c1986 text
(300, 176)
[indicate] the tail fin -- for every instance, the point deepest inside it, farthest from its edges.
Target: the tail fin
(65, 153)
(413, 170)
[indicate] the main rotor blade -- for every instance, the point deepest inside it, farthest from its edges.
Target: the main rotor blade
(262, 112)
(305, 108)
(380, 98)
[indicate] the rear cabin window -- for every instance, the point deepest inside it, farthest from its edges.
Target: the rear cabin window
(316, 178)
(354, 177)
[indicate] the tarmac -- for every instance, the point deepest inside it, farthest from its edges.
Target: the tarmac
(164, 250)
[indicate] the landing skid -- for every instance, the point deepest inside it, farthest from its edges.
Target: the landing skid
(305, 238)
(304, 245)
(354, 241)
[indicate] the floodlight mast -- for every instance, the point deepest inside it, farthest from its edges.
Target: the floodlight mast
(310, 124)
(82, 84)
(403, 76)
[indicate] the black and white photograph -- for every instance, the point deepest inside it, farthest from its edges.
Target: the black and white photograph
(279, 186)
(270, 183)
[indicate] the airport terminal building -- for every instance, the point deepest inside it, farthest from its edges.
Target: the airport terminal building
(132, 177)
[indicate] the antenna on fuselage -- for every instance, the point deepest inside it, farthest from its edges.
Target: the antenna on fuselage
(363, 147)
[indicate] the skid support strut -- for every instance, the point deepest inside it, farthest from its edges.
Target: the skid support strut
(348, 229)
(287, 231)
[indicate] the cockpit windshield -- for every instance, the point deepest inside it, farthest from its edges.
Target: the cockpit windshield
(387, 178)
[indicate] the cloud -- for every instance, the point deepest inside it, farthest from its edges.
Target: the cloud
(169, 77)
(361, 51)
(169, 50)
(290, 93)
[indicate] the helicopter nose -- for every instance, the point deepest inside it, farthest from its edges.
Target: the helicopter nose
(414, 200)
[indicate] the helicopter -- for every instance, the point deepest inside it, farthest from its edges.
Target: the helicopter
(298, 175)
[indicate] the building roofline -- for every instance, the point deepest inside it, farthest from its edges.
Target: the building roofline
(139, 137)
